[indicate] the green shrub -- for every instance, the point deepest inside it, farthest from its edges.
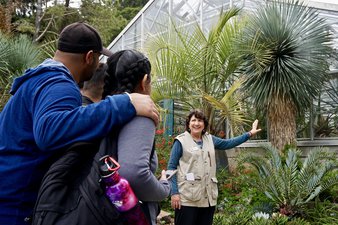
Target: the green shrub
(238, 190)
(322, 212)
(239, 217)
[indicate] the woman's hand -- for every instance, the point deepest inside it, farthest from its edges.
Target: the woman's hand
(176, 201)
(254, 129)
(163, 176)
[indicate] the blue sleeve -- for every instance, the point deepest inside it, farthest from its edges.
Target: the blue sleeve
(59, 120)
(223, 144)
(175, 155)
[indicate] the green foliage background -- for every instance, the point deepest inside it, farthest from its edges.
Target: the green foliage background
(108, 17)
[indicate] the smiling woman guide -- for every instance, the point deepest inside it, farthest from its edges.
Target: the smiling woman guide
(194, 187)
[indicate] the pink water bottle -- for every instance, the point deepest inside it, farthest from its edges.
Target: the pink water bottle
(120, 193)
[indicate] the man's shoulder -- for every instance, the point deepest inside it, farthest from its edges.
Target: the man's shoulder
(54, 68)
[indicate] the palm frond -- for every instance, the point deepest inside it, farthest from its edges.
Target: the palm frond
(228, 106)
(190, 64)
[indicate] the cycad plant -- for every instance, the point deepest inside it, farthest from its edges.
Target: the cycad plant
(289, 182)
(285, 47)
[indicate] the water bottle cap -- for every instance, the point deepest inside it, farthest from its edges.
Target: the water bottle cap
(108, 165)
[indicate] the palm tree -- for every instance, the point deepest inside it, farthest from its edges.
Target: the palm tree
(286, 45)
(197, 69)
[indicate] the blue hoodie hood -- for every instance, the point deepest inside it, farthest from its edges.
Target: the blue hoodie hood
(47, 65)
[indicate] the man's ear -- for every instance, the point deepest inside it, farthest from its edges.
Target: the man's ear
(89, 56)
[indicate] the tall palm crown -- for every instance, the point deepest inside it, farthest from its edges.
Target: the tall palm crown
(287, 45)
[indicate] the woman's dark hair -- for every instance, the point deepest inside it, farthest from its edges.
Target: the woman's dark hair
(126, 70)
(199, 115)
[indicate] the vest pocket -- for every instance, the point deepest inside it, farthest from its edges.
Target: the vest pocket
(214, 188)
(191, 190)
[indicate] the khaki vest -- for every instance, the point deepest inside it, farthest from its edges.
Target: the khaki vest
(202, 191)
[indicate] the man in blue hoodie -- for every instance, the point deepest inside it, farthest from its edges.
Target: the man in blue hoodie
(44, 116)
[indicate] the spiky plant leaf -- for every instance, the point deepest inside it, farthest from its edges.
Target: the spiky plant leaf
(16, 55)
(4, 52)
(24, 54)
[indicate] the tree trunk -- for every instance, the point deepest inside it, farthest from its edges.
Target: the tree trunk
(38, 19)
(6, 11)
(282, 122)
(67, 3)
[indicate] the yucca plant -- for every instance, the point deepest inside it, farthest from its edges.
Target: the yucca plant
(24, 54)
(16, 55)
(289, 182)
(285, 45)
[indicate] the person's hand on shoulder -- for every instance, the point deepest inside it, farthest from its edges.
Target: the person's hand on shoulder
(254, 129)
(176, 201)
(145, 106)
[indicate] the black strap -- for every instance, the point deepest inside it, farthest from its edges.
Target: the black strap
(108, 145)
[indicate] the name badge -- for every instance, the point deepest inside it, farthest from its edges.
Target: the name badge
(190, 176)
